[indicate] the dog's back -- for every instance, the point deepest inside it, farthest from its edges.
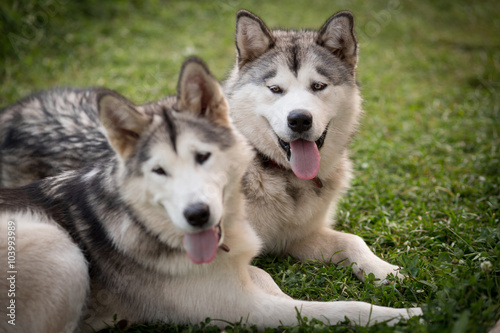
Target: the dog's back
(49, 132)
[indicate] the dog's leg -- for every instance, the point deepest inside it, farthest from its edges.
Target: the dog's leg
(265, 282)
(270, 311)
(49, 279)
(228, 294)
(339, 247)
(358, 312)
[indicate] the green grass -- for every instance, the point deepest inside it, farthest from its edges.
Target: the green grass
(426, 189)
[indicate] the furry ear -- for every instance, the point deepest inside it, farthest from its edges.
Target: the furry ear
(199, 92)
(253, 38)
(337, 35)
(123, 123)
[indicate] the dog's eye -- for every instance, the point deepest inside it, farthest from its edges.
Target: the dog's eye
(317, 86)
(159, 171)
(275, 89)
(202, 157)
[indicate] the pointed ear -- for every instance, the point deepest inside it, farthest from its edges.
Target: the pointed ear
(253, 38)
(199, 93)
(337, 35)
(123, 123)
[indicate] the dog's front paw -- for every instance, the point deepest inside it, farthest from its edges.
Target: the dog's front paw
(380, 269)
(384, 275)
(415, 312)
(392, 316)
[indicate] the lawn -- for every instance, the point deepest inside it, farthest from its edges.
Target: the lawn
(426, 191)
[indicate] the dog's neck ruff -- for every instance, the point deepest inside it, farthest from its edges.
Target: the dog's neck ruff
(267, 162)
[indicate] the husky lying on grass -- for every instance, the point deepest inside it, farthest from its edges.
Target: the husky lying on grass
(153, 231)
(293, 95)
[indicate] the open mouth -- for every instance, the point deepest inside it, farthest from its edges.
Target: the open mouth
(304, 155)
(201, 247)
(286, 145)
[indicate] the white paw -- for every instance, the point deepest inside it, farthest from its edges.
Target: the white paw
(392, 316)
(380, 269)
(415, 312)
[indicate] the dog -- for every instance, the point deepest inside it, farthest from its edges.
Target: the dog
(143, 233)
(294, 96)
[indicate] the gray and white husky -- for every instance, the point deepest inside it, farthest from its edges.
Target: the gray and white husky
(293, 95)
(143, 233)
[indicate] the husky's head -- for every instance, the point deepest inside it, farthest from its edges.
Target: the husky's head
(181, 160)
(293, 94)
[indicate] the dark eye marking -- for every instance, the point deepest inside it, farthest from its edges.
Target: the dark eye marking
(159, 171)
(201, 158)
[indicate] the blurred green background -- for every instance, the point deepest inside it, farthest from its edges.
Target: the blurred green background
(426, 188)
(137, 47)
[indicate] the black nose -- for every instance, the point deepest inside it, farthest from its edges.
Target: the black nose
(197, 214)
(299, 121)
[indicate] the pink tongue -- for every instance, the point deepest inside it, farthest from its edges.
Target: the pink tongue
(304, 158)
(201, 247)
